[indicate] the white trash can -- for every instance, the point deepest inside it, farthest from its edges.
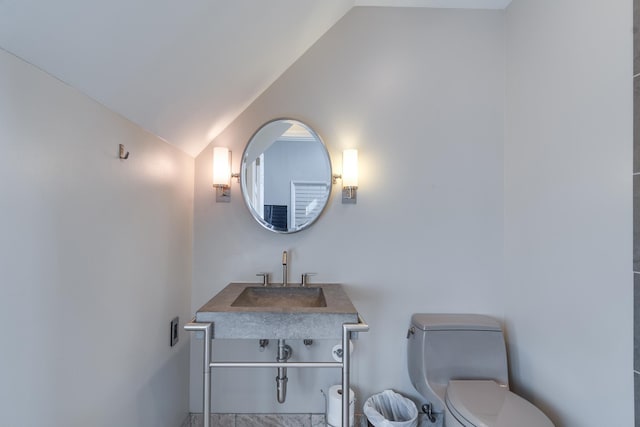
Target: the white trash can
(390, 409)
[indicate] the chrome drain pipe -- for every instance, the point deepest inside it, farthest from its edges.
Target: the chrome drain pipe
(284, 354)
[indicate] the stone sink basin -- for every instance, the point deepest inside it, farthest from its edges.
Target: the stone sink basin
(251, 311)
(262, 296)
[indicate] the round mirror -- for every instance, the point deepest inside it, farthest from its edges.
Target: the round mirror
(285, 176)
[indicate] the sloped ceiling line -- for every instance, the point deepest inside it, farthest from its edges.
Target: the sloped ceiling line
(181, 70)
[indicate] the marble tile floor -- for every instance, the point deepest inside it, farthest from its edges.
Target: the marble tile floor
(283, 420)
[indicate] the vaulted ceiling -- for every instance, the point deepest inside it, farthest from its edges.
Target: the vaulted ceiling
(183, 70)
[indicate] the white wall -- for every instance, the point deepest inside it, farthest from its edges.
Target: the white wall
(95, 258)
(568, 155)
(420, 93)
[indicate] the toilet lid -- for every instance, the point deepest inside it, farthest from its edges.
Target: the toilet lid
(488, 404)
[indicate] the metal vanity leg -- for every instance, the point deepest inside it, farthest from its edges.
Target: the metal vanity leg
(346, 359)
(347, 330)
(207, 328)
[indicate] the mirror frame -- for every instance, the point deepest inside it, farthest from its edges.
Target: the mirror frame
(243, 184)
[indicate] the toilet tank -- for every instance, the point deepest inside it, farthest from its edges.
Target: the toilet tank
(445, 347)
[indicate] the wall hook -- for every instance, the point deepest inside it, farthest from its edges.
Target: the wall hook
(123, 154)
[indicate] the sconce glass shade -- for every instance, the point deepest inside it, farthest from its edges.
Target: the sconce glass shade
(221, 167)
(350, 168)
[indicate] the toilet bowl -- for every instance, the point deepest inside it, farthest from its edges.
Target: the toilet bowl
(458, 363)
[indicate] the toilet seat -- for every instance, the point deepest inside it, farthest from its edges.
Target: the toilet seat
(488, 404)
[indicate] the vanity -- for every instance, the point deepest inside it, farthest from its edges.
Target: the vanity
(254, 311)
(286, 180)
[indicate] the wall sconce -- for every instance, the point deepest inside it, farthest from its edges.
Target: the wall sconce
(349, 176)
(222, 174)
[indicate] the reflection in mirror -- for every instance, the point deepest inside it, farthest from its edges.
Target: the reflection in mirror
(285, 176)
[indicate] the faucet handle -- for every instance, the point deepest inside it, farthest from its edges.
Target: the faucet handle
(305, 278)
(265, 278)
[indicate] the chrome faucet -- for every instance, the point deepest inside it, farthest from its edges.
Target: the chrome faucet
(285, 272)
(265, 278)
(304, 280)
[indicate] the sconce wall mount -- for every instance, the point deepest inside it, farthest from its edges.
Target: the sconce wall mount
(349, 176)
(222, 174)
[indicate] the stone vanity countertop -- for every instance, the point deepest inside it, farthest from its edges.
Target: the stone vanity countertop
(278, 322)
(336, 299)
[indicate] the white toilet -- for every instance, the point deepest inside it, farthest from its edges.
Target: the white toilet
(458, 363)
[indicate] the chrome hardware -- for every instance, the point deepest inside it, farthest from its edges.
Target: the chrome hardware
(285, 272)
(265, 278)
(304, 281)
(308, 342)
(284, 353)
(428, 409)
(411, 331)
(338, 352)
(123, 154)
(263, 344)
